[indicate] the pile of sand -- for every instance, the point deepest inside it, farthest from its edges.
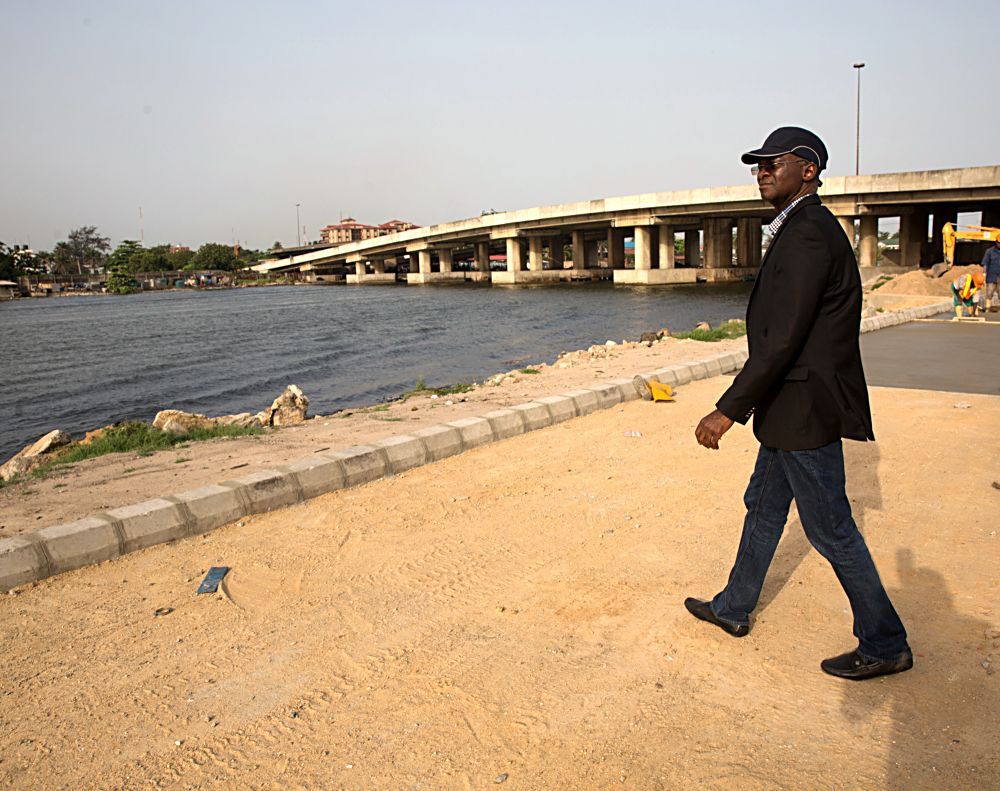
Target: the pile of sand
(920, 283)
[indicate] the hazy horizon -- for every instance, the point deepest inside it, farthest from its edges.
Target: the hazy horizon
(218, 119)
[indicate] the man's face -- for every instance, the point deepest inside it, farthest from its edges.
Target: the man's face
(780, 179)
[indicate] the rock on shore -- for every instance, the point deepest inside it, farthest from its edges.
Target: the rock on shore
(31, 455)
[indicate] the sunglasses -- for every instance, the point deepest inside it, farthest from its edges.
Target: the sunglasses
(770, 166)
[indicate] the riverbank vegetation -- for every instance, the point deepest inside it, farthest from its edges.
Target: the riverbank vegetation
(734, 328)
(130, 437)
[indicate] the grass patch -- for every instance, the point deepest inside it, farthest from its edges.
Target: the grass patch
(882, 280)
(181, 460)
(421, 389)
(134, 438)
(529, 371)
(724, 332)
(60, 486)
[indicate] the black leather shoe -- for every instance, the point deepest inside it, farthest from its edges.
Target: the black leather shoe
(701, 609)
(857, 667)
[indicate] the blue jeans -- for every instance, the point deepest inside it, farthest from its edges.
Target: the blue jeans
(815, 478)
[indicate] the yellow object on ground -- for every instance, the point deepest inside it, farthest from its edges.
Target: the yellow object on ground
(660, 391)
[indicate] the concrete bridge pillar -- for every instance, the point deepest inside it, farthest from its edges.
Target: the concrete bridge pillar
(942, 215)
(425, 262)
(692, 248)
(514, 255)
(535, 253)
(483, 256)
(378, 265)
(847, 223)
(912, 237)
(579, 250)
(359, 269)
(748, 239)
(616, 248)
(643, 247)
(445, 259)
(867, 240)
(718, 242)
(556, 252)
(667, 251)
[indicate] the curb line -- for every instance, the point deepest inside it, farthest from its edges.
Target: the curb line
(30, 557)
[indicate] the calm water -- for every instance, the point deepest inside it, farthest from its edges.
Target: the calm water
(80, 363)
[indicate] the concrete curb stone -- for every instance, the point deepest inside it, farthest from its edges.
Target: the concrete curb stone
(584, 400)
(21, 561)
(608, 395)
(211, 507)
(75, 544)
(317, 475)
(626, 389)
(534, 414)
(560, 407)
(475, 431)
(151, 522)
(440, 441)
(505, 422)
(403, 451)
(266, 490)
(361, 463)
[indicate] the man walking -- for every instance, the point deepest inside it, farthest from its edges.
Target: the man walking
(805, 387)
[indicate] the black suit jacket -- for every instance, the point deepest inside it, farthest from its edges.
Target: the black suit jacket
(803, 381)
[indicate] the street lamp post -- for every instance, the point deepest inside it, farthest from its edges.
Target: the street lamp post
(298, 226)
(857, 116)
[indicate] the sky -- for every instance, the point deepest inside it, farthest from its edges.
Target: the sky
(217, 118)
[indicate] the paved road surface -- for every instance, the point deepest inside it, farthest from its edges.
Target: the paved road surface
(935, 355)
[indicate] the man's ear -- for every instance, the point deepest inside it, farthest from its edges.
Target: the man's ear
(810, 172)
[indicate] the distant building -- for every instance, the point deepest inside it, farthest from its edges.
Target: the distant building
(179, 248)
(350, 230)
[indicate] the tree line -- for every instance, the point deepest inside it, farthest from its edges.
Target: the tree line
(86, 252)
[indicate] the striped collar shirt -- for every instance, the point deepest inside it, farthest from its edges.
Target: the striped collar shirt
(778, 221)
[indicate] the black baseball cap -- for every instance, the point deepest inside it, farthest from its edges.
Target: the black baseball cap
(789, 140)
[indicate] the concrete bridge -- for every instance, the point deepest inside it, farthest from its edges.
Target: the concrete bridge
(721, 228)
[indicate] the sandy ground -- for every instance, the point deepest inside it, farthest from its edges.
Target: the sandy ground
(122, 479)
(515, 613)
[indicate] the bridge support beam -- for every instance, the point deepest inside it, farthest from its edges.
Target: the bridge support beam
(556, 254)
(692, 249)
(643, 236)
(748, 239)
(867, 240)
(847, 223)
(535, 259)
(616, 248)
(514, 259)
(718, 242)
(445, 259)
(912, 237)
(580, 251)
(483, 257)
(667, 256)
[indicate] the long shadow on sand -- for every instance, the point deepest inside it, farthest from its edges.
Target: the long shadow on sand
(938, 719)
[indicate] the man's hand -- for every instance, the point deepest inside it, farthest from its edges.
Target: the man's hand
(711, 428)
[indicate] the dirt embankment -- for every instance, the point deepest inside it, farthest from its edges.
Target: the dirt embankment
(920, 283)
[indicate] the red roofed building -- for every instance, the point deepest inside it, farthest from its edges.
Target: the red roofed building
(350, 230)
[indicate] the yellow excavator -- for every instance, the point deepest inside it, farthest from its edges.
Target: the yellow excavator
(976, 233)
